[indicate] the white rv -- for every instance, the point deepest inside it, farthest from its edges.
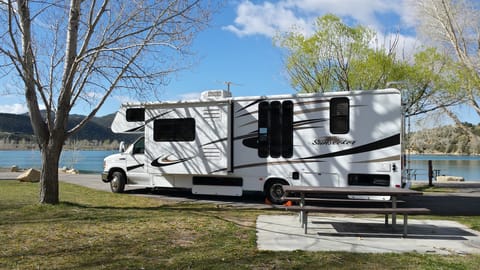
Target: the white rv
(219, 145)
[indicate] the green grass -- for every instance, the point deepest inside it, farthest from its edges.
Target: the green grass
(100, 230)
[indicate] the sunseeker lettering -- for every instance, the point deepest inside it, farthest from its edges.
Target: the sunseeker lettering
(332, 140)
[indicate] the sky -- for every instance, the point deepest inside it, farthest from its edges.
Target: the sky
(238, 47)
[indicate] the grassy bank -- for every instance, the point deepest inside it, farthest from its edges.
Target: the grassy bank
(98, 230)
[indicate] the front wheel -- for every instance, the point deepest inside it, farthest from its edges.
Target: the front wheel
(117, 185)
(274, 191)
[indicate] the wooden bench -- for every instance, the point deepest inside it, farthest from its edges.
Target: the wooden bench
(354, 210)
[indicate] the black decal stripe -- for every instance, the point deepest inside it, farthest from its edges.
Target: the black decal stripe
(134, 167)
(311, 127)
(275, 163)
(384, 143)
(309, 121)
(249, 105)
(214, 142)
(219, 170)
(135, 129)
(315, 101)
(155, 163)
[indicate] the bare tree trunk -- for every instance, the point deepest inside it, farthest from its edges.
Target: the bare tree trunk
(49, 176)
(107, 44)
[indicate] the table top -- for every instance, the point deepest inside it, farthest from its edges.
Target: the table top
(385, 191)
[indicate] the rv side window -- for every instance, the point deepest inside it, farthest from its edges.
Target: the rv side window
(135, 115)
(275, 129)
(174, 130)
(339, 115)
(263, 132)
(287, 129)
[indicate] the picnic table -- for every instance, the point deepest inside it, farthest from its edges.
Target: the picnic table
(303, 194)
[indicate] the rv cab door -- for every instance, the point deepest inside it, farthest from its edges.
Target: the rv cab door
(136, 169)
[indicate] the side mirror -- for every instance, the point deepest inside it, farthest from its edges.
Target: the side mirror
(121, 147)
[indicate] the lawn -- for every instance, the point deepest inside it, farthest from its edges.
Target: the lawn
(100, 230)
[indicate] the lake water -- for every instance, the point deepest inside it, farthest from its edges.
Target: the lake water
(467, 167)
(84, 161)
(92, 162)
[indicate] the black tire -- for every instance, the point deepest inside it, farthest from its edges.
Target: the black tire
(274, 191)
(117, 185)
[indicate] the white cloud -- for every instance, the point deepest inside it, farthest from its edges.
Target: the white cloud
(16, 108)
(388, 18)
(269, 18)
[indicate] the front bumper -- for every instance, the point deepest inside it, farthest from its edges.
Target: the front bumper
(105, 177)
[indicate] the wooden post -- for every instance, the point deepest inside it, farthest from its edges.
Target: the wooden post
(430, 174)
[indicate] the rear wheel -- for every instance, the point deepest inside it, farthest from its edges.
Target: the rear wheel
(274, 191)
(117, 185)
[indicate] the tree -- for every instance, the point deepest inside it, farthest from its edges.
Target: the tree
(453, 28)
(75, 52)
(339, 57)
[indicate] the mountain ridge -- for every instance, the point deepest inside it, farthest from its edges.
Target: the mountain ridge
(16, 129)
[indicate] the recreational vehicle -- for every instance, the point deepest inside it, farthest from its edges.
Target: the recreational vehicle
(223, 145)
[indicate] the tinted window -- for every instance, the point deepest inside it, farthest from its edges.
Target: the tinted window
(287, 129)
(275, 129)
(263, 129)
(339, 115)
(167, 130)
(135, 115)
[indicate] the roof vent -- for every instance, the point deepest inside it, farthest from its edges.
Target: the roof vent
(215, 94)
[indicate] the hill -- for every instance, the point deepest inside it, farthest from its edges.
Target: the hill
(16, 132)
(446, 140)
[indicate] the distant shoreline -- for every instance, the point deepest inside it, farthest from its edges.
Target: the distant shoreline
(66, 147)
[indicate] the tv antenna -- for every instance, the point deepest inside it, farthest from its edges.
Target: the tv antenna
(228, 83)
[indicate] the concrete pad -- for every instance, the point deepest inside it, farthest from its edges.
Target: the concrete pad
(365, 235)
